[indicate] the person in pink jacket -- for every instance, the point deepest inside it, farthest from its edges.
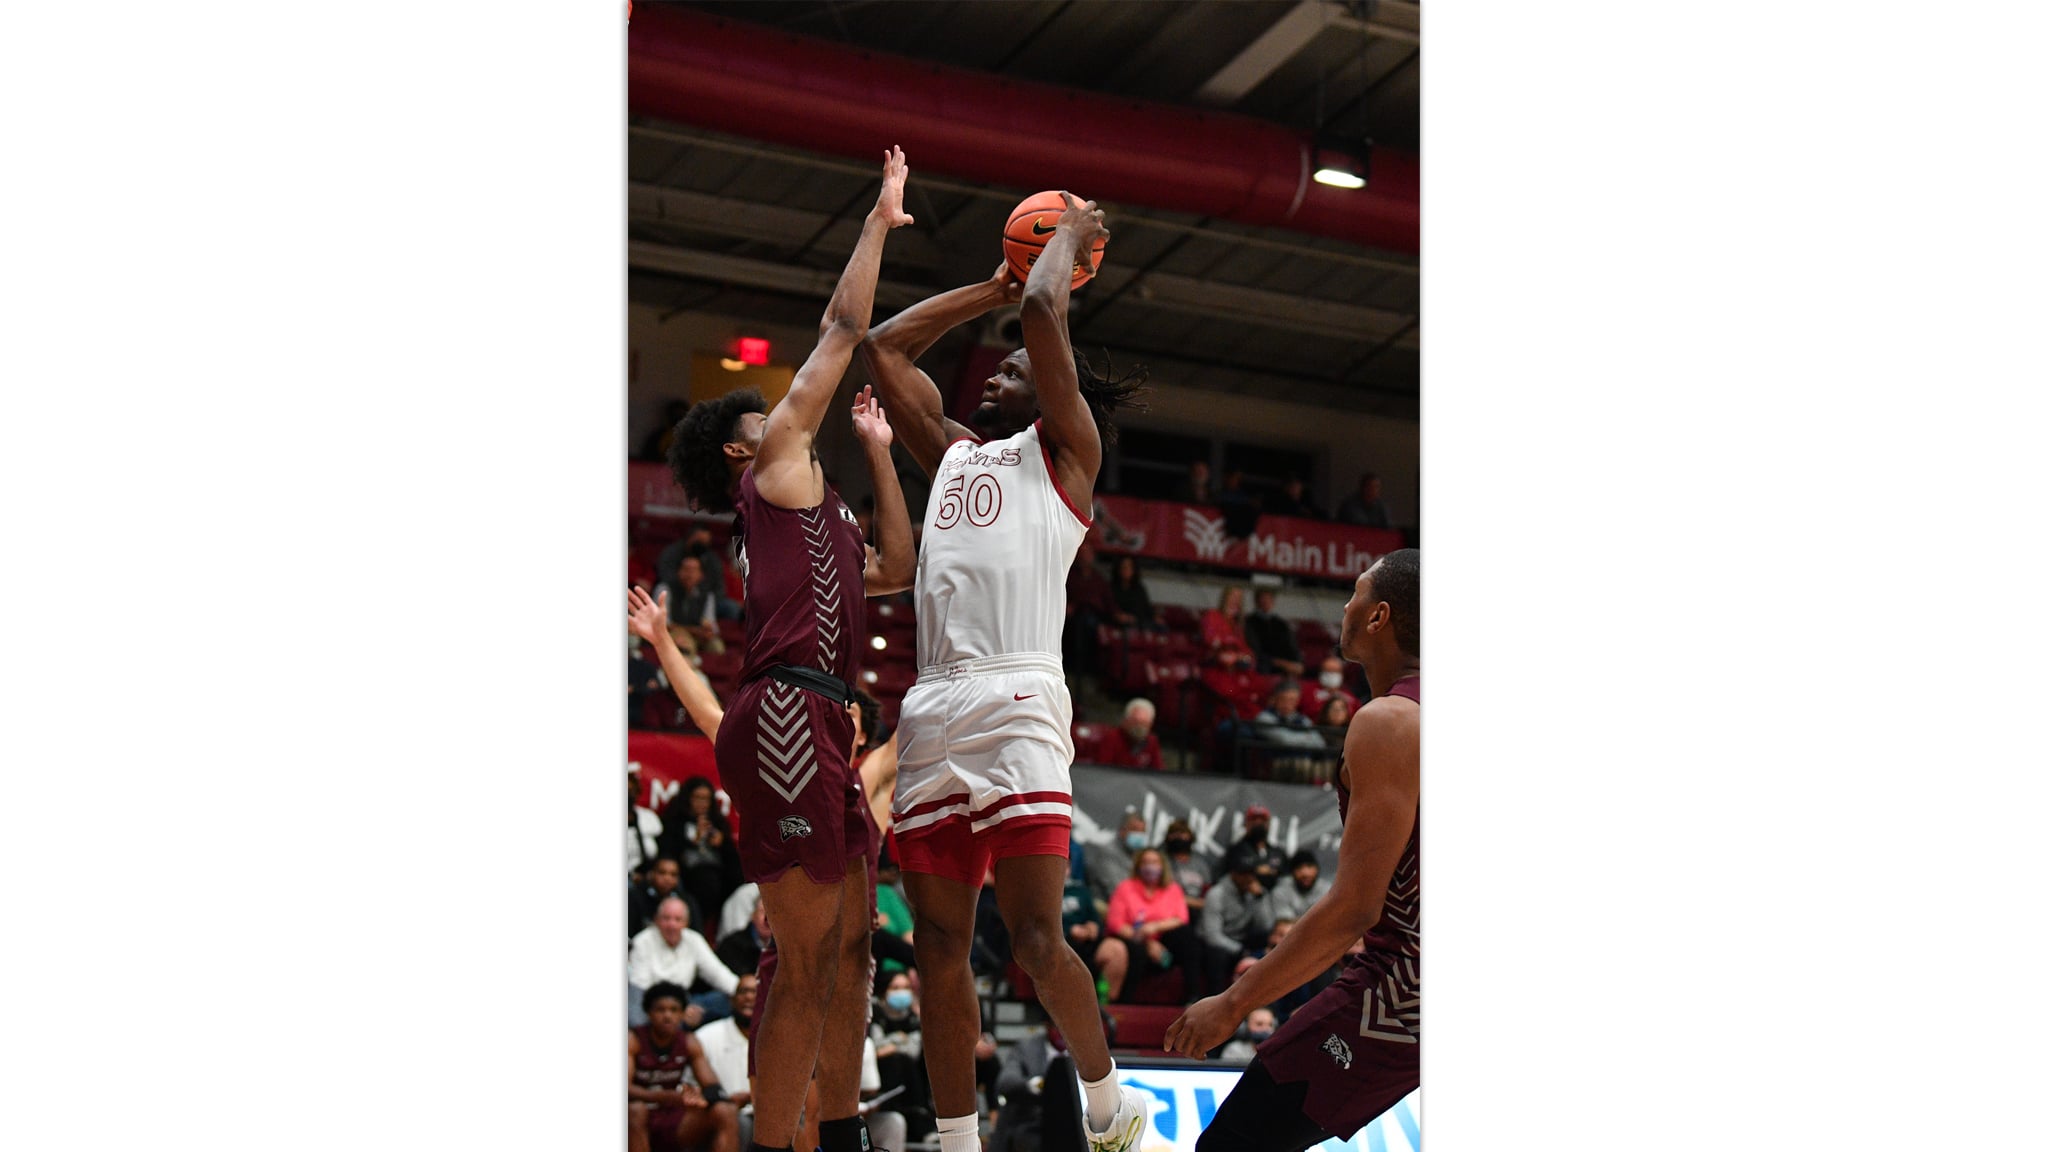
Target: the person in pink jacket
(1149, 912)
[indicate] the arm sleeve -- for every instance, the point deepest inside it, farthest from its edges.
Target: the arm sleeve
(710, 967)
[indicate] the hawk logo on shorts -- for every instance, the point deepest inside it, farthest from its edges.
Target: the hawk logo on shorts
(1338, 1050)
(793, 826)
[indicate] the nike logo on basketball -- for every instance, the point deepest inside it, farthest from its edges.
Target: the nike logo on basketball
(1038, 228)
(1014, 696)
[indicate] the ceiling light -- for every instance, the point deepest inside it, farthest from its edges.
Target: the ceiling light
(1336, 178)
(879, 643)
(1340, 168)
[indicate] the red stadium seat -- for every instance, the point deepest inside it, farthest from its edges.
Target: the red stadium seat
(1088, 741)
(1179, 619)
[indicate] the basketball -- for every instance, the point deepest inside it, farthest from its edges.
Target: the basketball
(1031, 224)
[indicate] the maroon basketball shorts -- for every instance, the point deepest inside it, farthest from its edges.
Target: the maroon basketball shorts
(1353, 1073)
(782, 757)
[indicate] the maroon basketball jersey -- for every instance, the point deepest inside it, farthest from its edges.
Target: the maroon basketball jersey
(806, 603)
(660, 1069)
(1399, 932)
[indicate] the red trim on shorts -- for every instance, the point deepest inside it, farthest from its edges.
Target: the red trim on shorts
(1053, 472)
(978, 813)
(952, 850)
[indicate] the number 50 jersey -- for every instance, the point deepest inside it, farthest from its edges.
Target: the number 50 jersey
(999, 536)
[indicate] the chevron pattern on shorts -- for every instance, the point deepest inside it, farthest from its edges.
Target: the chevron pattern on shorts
(783, 741)
(1393, 1006)
(824, 587)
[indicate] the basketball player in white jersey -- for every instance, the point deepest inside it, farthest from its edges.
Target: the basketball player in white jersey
(985, 747)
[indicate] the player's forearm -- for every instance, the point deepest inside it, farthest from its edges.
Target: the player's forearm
(689, 684)
(1051, 283)
(895, 561)
(1318, 940)
(911, 332)
(853, 301)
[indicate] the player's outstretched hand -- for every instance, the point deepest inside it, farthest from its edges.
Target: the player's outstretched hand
(1203, 1026)
(1006, 281)
(889, 207)
(1083, 216)
(644, 615)
(869, 421)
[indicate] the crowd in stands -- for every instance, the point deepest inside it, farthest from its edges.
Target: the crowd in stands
(1363, 508)
(1158, 922)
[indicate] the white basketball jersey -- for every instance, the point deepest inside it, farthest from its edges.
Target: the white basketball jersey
(999, 536)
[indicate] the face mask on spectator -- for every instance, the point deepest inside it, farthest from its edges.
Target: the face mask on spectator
(1151, 873)
(899, 999)
(1180, 844)
(1258, 1035)
(1134, 840)
(1332, 679)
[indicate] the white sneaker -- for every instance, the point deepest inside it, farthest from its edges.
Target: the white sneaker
(1126, 1128)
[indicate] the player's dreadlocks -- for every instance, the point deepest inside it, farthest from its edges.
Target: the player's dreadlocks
(1108, 393)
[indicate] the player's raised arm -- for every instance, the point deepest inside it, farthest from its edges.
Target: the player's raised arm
(892, 563)
(891, 351)
(785, 472)
(649, 621)
(1069, 422)
(1385, 777)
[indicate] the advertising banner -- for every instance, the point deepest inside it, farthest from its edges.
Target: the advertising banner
(1168, 530)
(1304, 815)
(1183, 1100)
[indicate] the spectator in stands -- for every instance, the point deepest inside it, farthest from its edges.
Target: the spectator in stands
(669, 950)
(1240, 507)
(1293, 500)
(1268, 861)
(1300, 891)
(897, 1034)
(1109, 865)
(1364, 507)
(698, 543)
(1283, 724)
(1256, 1029)
(662, 1102)
(663, 877)
(1271, 637)
(1132, 603)
(725, 1041)
(1090, 604)
(693, 609)
(700, 839)
(1330, 685)
(1223, 628)
(893, 941)
(741, 950)
(1237, 917)
(1149, 913)
(738, 909)
(1336, 711)
(1021, 1084)
(1196, 487)
(1106, 956)
(1133, 744)
(643, 683)
(643, 828)
(1190, 868)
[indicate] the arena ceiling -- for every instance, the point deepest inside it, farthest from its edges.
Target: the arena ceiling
(739, 227)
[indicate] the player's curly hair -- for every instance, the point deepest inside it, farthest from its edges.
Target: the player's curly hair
(1106, 392)
(663, 991)
(696, 454)
(1397, 579)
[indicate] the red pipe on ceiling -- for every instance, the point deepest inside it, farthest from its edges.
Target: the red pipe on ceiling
(803, 92)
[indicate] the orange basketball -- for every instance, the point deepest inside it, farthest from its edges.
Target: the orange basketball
(1031, 224)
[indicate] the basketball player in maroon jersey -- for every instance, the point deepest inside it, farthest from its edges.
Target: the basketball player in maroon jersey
(985, 750)
(1355, 1049)
(782, 746)
(661, 1108)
